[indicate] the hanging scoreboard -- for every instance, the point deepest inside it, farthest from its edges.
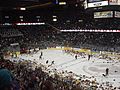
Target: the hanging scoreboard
(114, 2)
(117, 14)
(96, 3)
(103, 14)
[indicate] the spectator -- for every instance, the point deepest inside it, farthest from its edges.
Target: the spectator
(6, 79)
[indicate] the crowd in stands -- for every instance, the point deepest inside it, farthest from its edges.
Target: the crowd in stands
(21, 75)
(28, 75)
(44, 36)
(10, 32)
(79, 20)
(95, 24)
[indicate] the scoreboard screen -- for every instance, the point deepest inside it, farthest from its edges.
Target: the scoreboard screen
(114, 2)
(117, 14)
(104, 14)
(96, 3)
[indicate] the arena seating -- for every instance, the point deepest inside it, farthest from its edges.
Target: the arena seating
(26, 78)
(22, 76)
(47, 36)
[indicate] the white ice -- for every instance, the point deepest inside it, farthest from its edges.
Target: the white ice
(94, 67)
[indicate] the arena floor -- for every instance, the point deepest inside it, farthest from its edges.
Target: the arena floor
(94, 68)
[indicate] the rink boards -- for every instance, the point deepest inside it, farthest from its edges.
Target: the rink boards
(88, 51)
(112, 55)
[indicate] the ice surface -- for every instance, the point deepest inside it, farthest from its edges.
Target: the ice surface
(94, 67)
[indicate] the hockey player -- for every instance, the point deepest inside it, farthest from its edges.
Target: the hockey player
(47, 62)
(41, 54)
(40, 57)
(89, 57)
(107, 71)
(53, 62)
(75, 56)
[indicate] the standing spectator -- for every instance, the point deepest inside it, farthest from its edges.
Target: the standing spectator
(5, 79)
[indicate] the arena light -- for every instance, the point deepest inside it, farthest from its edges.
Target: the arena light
(14, 44)
(80, 20)
(37, 16)
(91, 30)
(6, 24)
(54, 16)
(54, 19)
(23, 9)
(21, 20)
(30, 23)
(20, 16)
(62, 3)
(38, 20)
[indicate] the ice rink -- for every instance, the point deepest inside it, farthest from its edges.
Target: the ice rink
(93, 68)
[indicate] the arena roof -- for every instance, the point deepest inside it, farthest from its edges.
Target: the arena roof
(12, 4)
